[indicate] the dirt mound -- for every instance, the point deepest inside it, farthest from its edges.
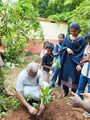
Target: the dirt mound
(58, 110)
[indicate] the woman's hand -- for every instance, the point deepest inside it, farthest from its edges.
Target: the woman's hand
(87, 59)
(78, 68)
(69, 51)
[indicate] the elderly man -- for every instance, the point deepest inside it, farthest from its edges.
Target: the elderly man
(29, 82)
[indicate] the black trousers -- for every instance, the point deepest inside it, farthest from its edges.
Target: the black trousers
(33, 101)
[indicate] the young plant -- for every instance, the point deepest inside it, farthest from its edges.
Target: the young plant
(58, 64)
(46, 95)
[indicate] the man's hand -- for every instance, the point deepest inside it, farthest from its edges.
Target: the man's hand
(69, 51)
(78, 68)
(75, 100)
(42, 107)
(32, 110)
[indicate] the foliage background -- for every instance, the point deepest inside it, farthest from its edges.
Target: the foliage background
(66, 10)
(18, 22)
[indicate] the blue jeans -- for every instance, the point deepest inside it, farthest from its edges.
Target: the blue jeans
(83, 81)
(55, 75)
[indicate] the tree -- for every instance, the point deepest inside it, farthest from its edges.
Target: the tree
(82, 15)
(18, 21)
(42, 8)
(73, 10)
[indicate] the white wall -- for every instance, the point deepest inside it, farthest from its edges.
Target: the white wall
(51, 30)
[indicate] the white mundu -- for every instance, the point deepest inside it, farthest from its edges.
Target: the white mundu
(30, 86)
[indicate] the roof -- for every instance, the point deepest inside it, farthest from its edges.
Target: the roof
(51, 20)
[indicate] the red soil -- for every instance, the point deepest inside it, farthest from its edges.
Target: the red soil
(57, 110)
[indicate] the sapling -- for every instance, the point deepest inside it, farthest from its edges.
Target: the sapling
(56, 63)
(46, 95)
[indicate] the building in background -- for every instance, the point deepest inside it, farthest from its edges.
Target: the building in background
(51, 30)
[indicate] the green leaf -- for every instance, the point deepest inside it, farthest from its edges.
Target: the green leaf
(35, 105)
(46, 95)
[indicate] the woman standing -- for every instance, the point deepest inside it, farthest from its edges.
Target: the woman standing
(74, 47)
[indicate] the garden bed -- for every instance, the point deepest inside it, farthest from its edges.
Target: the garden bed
(57, 110)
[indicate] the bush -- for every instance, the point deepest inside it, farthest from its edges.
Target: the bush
(7, 103)
(14, 48)
(2, 90)
(18, 22)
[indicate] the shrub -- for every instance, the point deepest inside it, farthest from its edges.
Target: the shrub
(14, 48)
(2, 90)
(7, 103)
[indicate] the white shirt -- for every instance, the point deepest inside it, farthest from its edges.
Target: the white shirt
(85, 66)
(28, 85)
